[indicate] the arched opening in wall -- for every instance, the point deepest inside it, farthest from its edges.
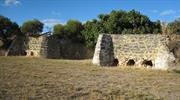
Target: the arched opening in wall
(131, 62)
(31, 53)
(115, 62)
(146, 63)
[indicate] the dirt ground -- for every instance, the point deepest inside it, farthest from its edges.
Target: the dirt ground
(23, 78)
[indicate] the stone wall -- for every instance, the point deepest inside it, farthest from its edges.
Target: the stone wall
(104, 53)
(17, 47)
(43, 46)
(55, 48)
(51, 48)
(34, 46)
(149, 49)
(174, 46)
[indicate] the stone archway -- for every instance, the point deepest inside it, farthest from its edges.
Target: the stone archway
(31, 53)
(146, 63)
(115, 62)
(130, 62)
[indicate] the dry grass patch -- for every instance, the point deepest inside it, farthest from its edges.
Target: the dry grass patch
(37, 78)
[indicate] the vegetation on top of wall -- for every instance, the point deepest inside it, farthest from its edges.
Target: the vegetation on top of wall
(59, 30)
(32, 27)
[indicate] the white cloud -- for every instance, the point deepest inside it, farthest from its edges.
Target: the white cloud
(167, 12)
(50, 22)
(11, 2)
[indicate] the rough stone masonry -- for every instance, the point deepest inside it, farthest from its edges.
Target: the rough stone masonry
(150, 50)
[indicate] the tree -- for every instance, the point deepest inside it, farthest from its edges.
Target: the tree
(91, 32)
(174, 27)
(119, 22)
(157, 27)
(32, 27)
(73, 27)
(8, 30)
(73, 30)
(59, 30)
(114, 22)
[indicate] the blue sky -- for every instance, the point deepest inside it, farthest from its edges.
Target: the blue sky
(51, 12)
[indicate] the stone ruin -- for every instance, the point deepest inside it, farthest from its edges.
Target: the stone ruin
(150, 50)
(43, 46)
(47, 46)
(34, 46)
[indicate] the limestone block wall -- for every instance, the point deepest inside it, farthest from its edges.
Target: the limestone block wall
(136, 48)
(104, 54)
(55, 48)
(174, 46)
(34, 46)
(43, 46)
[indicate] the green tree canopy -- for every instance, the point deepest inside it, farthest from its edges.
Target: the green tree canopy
(174, 27)
(91, 31)
(58, 29)
(119, 22)
(8, 29)
(73, 30)
(132, 22)
(32, 27)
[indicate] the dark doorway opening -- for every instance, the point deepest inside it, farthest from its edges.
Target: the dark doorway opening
(24, 53)
(131, 62)
(32, 53)
(146, 63)
(115, 62)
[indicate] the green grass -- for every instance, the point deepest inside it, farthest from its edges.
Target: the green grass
(23, 78)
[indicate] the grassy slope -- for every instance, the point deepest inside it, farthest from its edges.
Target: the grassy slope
(33, 78)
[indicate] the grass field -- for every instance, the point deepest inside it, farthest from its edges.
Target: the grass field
(24, 78)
